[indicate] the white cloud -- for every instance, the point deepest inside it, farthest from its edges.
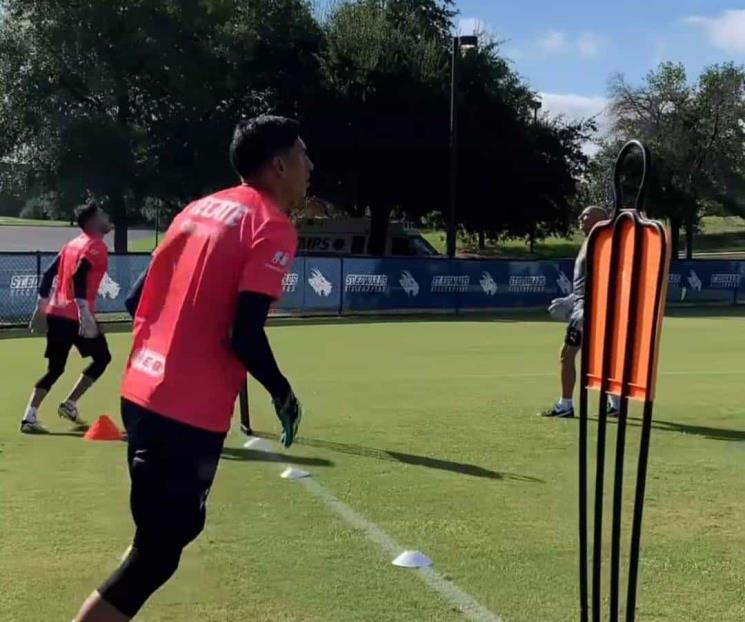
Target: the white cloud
(473, 26)
(573, 107)
(590, 44)
(554, 41)
(726, 32)
(587, 44)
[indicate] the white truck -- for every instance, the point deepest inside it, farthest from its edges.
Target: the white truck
(351, 237)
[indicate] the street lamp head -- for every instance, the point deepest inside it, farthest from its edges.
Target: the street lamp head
(467, 41)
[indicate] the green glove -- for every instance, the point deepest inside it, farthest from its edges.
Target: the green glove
(289, 412)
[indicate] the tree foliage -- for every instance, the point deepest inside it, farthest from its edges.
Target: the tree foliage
(696, 132)
(133, 103)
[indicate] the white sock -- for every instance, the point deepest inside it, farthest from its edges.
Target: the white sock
(614, 402)
(71, 403)
(565, 403)
(30, 415)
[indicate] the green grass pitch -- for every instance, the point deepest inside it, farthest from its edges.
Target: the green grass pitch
(429, 430)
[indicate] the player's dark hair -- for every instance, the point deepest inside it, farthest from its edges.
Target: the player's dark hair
(258, 140)
(84, 213)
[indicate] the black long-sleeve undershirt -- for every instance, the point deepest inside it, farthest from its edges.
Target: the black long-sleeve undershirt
(45, 286)
(79, 279)
(133, 298)
(251, 346)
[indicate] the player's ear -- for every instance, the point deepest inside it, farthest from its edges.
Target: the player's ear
(279, 165)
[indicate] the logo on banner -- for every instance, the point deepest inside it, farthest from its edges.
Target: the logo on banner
(366, 283)
(28, 285)
(564, 284)
(290, 282)
(694, 281)
(409, 283)
(488, 284)
(528, 284)
(109, 288)
(320, 284)
(450, 284)
(724, 281)
(24, 284)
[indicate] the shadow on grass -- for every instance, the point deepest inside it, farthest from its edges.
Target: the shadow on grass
(422, 461)
(712, 434)
(251, 455)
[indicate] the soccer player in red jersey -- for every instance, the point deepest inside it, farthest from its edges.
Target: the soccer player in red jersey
(68, 316)
(199, 316)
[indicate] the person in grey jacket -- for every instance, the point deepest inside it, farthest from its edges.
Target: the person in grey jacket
(571, 309)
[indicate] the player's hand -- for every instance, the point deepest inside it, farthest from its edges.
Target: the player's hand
(38, 323)
(289, 412)
(561, 308)
(88, 325)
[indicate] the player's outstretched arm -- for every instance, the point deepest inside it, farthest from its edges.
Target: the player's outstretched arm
(251, 346)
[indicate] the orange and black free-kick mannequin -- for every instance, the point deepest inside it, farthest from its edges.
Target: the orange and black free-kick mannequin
(628, 260)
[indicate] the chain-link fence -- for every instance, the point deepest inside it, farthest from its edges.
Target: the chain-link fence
(20, 274)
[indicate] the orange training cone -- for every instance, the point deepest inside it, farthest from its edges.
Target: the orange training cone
(103, 430)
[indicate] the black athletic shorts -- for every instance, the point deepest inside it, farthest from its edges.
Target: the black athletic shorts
(63, 334)
(171, 468)
(574, 334)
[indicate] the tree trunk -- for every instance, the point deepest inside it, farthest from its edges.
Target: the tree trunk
(689, 239)
(482, 240)
(379, 219)
(119, 217)
(675, 238)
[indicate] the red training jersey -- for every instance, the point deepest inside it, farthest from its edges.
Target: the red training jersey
(62, 300)
(182, 365)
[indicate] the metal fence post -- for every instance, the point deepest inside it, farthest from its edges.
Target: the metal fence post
(341, 285)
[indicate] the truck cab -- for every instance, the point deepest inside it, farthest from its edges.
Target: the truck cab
(351, 237)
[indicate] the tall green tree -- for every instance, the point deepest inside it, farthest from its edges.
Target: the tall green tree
(696, 132)
(380, 134)
(135, 100)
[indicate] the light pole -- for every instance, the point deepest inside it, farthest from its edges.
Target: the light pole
(535, 106)
(467, 42)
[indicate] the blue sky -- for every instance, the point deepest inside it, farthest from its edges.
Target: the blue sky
(566, 50)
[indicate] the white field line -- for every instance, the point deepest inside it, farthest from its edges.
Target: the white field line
(447, 590)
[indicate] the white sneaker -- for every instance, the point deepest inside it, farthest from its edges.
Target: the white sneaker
(70, 412)
(33, 427)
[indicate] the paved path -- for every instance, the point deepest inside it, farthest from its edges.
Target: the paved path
(32, 238)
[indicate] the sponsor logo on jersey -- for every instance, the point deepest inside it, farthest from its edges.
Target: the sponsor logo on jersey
(149, 362)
